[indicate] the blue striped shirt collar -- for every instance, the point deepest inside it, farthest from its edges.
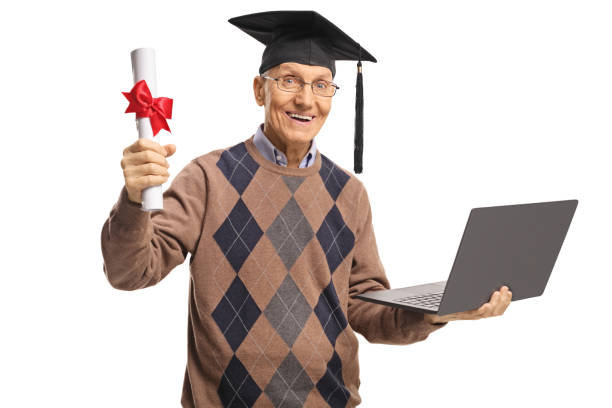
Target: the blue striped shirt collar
(270, 152)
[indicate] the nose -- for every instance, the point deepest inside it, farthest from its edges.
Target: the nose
(304, 97)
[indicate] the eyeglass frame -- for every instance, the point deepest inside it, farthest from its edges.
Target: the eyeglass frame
(336, 87)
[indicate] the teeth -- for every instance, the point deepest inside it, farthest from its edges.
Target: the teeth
(295, 115)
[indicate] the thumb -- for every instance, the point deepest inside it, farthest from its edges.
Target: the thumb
(170, 149)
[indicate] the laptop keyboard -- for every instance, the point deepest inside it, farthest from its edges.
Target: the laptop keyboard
(429, 300)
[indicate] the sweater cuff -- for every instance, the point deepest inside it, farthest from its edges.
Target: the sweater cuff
(415, 322)
(129, 213)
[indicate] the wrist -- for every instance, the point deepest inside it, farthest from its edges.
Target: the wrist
(133, 200)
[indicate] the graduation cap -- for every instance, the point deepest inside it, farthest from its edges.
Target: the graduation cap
(306, 37)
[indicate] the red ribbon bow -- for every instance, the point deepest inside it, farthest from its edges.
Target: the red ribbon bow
(145, 106)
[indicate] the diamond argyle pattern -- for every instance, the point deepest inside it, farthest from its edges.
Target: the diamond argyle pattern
(335, 238)
(237, 388)
(277, 255)
(288, 311)
(293, 182)
(238, 235)
(331, 386)
(330, 314)
(290, 385)
(288, 234)
(236, 313)
(238, 166)
(334, 178)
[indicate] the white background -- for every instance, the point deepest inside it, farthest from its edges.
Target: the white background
(472, 103)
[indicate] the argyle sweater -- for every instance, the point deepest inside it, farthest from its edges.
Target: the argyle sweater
(277, 256)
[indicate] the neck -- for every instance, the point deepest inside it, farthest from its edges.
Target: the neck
(294, 151)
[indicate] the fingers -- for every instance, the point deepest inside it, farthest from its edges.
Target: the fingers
(137, 178)
(142, 157)
(496, 306)
(146, 169)
(145, 144)
(144, 165)
(499, 302)
(170, 149)
(146, 151)
(484, 310)
(495, 303)
(506, 298)
(137, 184)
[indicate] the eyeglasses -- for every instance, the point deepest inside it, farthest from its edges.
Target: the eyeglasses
(290, 83)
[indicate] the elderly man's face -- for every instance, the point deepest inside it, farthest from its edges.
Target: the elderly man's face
(279, 126)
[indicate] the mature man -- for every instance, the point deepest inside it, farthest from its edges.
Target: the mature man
(281, 240)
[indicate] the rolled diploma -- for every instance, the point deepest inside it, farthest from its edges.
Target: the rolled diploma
(143, 67)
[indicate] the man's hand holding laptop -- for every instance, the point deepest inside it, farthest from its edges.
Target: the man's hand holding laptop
(496, 306)
(512, 246)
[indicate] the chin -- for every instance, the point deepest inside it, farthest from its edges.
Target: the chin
(295, 133)
(298, 136)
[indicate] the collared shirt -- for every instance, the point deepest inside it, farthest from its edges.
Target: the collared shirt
(270, 152)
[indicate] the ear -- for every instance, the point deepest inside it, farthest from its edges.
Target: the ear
(258, 90)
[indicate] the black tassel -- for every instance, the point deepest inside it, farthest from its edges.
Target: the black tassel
(359, 119)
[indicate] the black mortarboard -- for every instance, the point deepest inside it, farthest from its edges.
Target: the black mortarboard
(306, 37)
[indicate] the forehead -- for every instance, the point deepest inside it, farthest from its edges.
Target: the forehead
(305, 71)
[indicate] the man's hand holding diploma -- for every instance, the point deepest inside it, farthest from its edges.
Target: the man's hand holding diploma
(144, 164)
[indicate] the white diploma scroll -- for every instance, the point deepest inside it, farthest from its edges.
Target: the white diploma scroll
(143, 67)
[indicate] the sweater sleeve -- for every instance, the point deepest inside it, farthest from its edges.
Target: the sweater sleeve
(139, 247)
(378, 323)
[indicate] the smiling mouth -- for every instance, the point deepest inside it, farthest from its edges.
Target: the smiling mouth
(300, 118)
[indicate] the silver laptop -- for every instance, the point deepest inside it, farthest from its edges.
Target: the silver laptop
(512, 245)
